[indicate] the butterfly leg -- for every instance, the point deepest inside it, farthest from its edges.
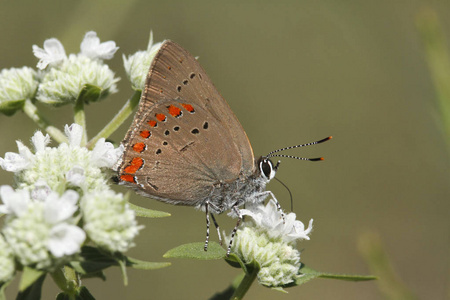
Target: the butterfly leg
(233, 233)
(207, 225)
(217, 227)
(208, 222)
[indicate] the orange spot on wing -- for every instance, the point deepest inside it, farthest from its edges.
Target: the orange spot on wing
(128, 178)
(188, 107)
(139, 147)
(161, 117)
(174, 111)
(152, 123)
(134, 166)
(145, 134)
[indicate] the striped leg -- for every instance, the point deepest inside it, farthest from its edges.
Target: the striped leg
(217, 227)
(207, 225)
(238, 213)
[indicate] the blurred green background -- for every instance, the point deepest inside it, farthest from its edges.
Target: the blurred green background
(293, 72)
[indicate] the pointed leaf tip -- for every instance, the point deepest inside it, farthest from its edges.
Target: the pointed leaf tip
(147, 213)
(196, 251)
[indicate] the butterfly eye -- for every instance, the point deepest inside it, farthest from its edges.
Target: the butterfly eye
(266, 168)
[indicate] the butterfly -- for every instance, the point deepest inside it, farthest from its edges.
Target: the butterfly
(186, 146)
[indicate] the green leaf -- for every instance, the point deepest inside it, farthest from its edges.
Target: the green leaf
(196, 251)
(33, 291)
(98, 274)
(234, 261)
(306, 274)
(148, 213)
(92, 261)
(9, 107)
(29, 276)
(62, 296)
(84, 294)
(145, 265)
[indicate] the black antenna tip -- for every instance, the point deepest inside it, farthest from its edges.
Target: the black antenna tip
(316, 159)
(325, 139)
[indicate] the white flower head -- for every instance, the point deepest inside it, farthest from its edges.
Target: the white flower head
(7, 265)
(64, 85)
(108, 221)
(53, 53)
(92, 48)
(269, 239)
(271, 220)
(43, 235)
(68, 164)
(16, 85)
(137, 64)
(279, 261)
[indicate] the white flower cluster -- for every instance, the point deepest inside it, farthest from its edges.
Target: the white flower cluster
(137, 64)
(16, 85)
(60, 189)
(269, 239)
(61, 79)
(64, 78)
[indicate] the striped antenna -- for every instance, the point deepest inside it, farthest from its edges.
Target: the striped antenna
(271, 154)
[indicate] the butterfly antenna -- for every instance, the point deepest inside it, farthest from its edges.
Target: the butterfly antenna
(290, 194)
(271, 154)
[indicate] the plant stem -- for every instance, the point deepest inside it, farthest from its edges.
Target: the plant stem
(33, 113)
(438, 59)
(118, 119)
(245, 284)
(80, 118)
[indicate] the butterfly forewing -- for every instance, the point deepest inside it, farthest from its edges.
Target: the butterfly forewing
(184, 138)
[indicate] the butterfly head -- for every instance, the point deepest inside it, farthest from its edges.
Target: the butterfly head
(266, 168)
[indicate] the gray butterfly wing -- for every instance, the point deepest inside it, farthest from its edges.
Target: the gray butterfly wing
(185, 139)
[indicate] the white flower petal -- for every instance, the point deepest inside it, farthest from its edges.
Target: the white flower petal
(271, 220)
(59, 209)
(40, 141)
(15, 202)
(52, 54)
(41, 191)
(105, 155)
(92, 48)
(74, 133)
(65, 239)
(13, 162)
(76, 176)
